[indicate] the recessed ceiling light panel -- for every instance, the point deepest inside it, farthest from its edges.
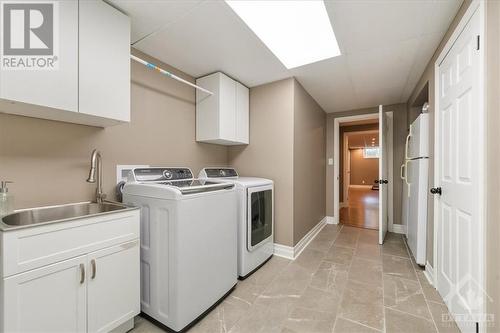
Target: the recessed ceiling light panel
(298, 32)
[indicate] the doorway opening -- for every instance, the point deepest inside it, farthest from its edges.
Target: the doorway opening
(365, 203)
(359, 162)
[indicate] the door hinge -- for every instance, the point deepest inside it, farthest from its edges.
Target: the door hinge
(478, 41)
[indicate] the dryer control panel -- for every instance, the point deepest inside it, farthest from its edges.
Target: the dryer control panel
(219, 172)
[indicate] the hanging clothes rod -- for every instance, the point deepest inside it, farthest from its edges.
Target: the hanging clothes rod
(170, 75)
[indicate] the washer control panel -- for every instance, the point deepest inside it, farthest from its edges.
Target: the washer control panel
(162, 174)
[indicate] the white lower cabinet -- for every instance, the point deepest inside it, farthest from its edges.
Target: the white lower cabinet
(113, 286)
(47, 299)
(92, 286)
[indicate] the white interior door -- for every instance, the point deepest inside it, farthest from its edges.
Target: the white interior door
(383, 175)
(459, 220)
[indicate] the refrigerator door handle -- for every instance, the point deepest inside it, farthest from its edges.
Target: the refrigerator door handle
(402, 172)
(406, 173)
(406, 177)
(406, 144)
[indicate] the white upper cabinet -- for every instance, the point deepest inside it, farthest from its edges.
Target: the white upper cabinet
(54, 87)
(242, 113)
(222, 118)
(90, 80)
(104, 71)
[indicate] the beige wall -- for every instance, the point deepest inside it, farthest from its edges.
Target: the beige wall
(399, 136)
(309, 165)
(49, 160)
(270, 153)
(427, 80)
(363, 170)
(287, 145)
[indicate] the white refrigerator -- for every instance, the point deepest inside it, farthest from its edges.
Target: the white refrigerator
(416, 176)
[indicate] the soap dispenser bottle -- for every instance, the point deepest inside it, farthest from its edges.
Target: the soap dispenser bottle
(6, 199)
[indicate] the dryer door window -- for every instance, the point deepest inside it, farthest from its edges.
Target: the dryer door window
(260, 215)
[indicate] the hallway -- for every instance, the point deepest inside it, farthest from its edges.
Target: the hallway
(362, 209)
(342, 282)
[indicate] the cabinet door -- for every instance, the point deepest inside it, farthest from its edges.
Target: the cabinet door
(104, 70)
(242, 113)
(113, 286)
(54, 88)
(227, 108)
(48, 299)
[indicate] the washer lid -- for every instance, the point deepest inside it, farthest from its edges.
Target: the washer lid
(191, 186)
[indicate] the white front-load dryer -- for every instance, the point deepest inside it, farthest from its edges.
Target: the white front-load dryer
(255, 209)
(188, 243)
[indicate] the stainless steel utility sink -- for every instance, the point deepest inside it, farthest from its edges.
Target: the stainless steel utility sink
(32, 217)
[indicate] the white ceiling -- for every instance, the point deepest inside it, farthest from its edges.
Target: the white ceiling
(385, 46)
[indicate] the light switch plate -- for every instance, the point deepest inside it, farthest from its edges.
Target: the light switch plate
(330, 161)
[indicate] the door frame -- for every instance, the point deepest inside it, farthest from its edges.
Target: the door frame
(336, 160)
(390, 169)
(479, 6)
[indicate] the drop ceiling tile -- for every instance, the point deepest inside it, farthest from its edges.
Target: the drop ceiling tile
(213, 38)
(379, 76)
(149, 15)
(366, 24)
(439, 19)
(426, 49)
(329, 82)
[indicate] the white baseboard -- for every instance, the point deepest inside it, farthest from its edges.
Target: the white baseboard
(398, 229)
(292, 252)
(429, 273)
(331, 220)
(283, 251)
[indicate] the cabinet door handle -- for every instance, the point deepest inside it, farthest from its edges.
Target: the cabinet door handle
(82, 273)
(94, 268)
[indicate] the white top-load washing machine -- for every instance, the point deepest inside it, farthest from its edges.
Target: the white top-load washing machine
(255, 217)
(188, 243)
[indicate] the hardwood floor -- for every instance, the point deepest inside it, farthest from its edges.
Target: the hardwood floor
(362, 211)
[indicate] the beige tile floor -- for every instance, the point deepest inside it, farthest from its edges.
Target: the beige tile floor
(342, 282)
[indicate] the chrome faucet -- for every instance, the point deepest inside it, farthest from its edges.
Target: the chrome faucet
(96, 163)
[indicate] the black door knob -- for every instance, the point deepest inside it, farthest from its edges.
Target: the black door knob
(384, 181)
(376, 181)
(436, 190)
